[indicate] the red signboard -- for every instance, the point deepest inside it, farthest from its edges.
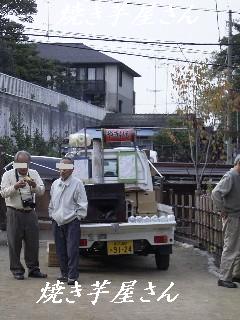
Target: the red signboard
(118, 135)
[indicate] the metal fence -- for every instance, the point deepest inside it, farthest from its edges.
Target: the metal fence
(27, 90)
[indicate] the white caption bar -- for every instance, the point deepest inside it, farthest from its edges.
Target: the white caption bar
(20, 165)
(63, 166)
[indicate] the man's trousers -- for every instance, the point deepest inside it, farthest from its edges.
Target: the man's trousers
(67, 238)
(22, 227)
(230, 260)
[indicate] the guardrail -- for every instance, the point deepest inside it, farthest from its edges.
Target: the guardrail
(30, 91)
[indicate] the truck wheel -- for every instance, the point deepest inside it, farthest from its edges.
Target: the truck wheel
(162, 261)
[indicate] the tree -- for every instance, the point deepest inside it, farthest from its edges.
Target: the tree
(19, 58)
(11, 30)
(219, 58)
(202, 103)
(220, 65)
(20, 133)
(21, 139)
(30, 67)
(172, 144)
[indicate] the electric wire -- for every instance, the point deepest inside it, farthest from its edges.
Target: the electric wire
(98, 38)
(137, 55)
(156, 5)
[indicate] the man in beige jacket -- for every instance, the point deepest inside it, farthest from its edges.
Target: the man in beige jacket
(19, 187)
(226, 197)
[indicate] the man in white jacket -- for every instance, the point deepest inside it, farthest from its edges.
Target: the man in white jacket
(68, 205)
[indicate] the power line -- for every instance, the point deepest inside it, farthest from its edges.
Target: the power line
(103, 37)
(157, 42)
(125, 41)
(162, 6)
(177, 50)
(145, 49)
(137, 55)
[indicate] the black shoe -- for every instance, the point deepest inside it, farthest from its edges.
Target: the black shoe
(71, 282)
(37, 274)
(63, 279)
(227, 284)
(235, 279)
(19, 276)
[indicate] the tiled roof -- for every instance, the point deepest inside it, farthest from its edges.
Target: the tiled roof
(77, 53)
(115, 120)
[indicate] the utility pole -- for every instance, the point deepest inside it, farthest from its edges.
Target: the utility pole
(229, 113)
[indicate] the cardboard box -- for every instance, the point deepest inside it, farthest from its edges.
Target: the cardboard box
(52, 259)
(147, 203)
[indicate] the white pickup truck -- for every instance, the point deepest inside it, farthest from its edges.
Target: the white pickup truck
(123, 216)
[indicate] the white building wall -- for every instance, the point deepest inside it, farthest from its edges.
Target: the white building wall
(111, 81)
(126, 92)
(114, 92)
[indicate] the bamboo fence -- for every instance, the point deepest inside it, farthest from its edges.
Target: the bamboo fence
(198, 221)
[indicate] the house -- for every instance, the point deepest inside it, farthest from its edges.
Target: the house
(92, 76)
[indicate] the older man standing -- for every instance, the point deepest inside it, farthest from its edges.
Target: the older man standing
(68, 205)
(19, 187)
(226, 197)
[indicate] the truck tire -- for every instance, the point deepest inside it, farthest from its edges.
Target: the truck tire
(162, 261)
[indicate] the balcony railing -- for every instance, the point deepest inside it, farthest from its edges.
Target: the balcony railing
(91, 86)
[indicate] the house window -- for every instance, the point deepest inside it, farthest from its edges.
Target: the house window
(119, 105)
(120, 74)
(82, 75)
(99, 74)
(91, 74)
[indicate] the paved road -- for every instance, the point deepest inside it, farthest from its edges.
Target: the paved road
(199, 297)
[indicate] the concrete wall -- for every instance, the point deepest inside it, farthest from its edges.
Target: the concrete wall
(47, 119)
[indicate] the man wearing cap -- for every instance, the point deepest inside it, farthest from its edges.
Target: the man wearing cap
(19, 186)
(226, 197)
(68, 205)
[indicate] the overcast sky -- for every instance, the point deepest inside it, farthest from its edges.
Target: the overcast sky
(144, 21)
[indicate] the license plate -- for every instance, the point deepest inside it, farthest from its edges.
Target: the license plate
(120, 247)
